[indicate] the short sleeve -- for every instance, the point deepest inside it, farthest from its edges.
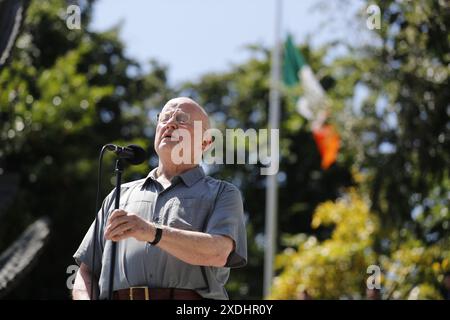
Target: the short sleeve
(228, 219)
(85, 250)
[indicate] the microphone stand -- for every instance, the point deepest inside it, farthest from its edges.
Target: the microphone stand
(118, 170)
(134, 155)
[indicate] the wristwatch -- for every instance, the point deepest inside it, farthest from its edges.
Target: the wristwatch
(157, 236)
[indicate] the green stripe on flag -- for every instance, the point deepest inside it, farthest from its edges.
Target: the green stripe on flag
(293, 61)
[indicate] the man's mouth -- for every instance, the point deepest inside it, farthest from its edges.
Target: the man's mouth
(170, 136)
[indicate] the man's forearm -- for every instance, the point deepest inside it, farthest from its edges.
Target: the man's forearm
(82, 285)
(80, 295)
(196, 248)
(192, 247)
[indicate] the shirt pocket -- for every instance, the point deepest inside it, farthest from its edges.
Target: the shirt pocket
(181, 213)
(142, 208)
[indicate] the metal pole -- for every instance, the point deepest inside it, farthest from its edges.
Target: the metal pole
(272, 184)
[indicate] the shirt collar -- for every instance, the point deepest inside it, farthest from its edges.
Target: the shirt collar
(192, 176)
(189, 177)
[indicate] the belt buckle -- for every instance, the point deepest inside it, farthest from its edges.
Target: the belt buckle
(147, 295)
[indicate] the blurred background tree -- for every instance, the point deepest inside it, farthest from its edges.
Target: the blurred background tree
(336, 267)
(64, 95)
(392, 101)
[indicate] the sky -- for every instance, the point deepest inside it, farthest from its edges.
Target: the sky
(194, 37)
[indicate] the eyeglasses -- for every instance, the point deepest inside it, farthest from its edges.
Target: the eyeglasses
(180, 117)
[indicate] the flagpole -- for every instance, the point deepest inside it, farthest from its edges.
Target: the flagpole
(272, 183)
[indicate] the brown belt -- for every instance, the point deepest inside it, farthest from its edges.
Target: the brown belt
(144, 293)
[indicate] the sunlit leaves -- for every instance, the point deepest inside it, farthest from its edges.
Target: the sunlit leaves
(336, 267)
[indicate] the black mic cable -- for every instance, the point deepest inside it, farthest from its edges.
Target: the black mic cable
(97, 202)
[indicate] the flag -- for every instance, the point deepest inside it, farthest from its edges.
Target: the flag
(328, 142)
(296, 71)
(313, 104)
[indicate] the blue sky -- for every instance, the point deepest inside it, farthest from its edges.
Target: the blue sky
(197, 36)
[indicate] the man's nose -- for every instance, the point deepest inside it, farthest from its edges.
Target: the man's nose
(172, 122)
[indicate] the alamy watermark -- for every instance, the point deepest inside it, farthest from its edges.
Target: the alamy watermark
(373, 21)
(374, 280)
(73, 18)
(72, 272)
(262, 146)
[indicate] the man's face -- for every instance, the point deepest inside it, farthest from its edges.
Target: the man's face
(176, 128)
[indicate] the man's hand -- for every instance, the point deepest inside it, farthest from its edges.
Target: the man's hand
(122, 225)
(192, 247)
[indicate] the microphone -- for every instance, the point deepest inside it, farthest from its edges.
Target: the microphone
(132, 153)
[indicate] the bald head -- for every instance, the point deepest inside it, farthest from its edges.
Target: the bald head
(188, 105)
(184, 100)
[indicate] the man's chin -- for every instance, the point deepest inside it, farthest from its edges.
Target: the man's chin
(167, 146)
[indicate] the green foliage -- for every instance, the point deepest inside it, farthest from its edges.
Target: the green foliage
(415, 270)
(334, 267)
(64, 94)
(397, 142)
(400, 132)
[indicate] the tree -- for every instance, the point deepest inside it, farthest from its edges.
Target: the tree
(403, 120)
(64, 94)
(397, 140)
(335, 267)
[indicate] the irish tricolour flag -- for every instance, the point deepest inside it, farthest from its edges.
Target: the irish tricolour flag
(313, 105)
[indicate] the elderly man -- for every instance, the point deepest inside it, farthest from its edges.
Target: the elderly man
(178, 231)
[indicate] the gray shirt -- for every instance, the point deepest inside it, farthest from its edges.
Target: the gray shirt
(194, 202)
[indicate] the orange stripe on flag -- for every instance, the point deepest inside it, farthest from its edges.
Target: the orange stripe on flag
(328, 141)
